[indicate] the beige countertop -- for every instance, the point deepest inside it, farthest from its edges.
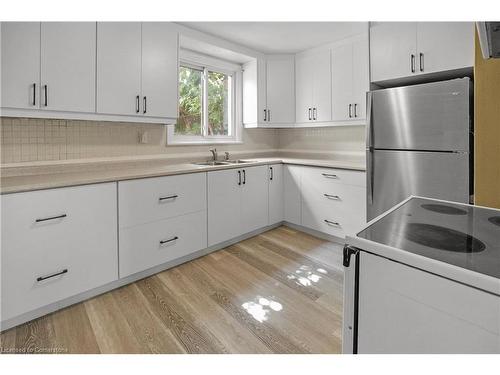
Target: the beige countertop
(102, 172)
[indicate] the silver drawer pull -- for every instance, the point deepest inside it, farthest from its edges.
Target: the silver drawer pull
(332, 223)
(42, 278)
(163, 242)
(161, 199)
(51, 218)
(327, 175)
(334, 197)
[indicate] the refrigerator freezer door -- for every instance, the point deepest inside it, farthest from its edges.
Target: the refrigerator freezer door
(395, 175)
(432, 116)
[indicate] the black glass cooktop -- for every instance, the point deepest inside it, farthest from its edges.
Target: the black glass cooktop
(462, 235)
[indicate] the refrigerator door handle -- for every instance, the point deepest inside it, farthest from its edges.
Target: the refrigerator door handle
(370, 175)
(369, 99)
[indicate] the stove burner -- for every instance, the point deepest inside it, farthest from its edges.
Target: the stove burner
(494, 220)
(442, 209)
(443, 238)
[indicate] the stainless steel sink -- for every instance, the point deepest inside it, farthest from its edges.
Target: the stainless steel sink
(239, 161)
(212, 163)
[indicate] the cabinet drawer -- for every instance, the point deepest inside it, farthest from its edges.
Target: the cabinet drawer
(152, 199)
(329, 176)
(148, 245)
(71, 231)
(341, 204)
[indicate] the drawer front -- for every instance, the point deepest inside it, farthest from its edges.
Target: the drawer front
(328, 176)
(148, 245)
(337, 210)
(150, 199)
(71, 231)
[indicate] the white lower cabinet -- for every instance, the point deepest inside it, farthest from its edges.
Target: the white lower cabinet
(55, 244)
(148, 245)
(291, 193)
(333, 200)
(276, 196)
(237, 202)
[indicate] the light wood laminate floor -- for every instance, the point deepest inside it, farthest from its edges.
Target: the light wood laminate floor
(278, 292)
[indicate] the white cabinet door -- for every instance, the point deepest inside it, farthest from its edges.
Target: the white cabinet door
(254, 93)
(159, 69)
(342, 82)
(280, 89)
(292, 196)
(303, 87)
(392, 45)
(444, 46)
(224, 205)
(20, 65)
(321, 75)
(276, 197)
(56, 243)
(118, 67)
(254, 198)
(68, 52)
(360, 76)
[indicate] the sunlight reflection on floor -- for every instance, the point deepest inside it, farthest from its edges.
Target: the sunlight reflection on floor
(261, 307)
(305, 276)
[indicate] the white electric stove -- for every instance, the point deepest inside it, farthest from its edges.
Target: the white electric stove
(424, 278)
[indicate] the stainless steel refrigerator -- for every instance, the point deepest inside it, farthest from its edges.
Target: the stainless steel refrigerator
(419, 142)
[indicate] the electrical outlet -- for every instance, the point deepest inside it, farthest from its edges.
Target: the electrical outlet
(143, 137)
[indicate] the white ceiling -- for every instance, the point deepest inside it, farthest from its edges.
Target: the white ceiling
(279, 37)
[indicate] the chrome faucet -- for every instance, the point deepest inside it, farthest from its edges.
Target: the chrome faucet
(214, 153)
(226, 157)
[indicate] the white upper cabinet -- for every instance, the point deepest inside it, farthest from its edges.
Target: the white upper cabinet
(159, 69)
(392, 45)
(350, 79)
(68, 53)
(119, 68)
(280, 89)
(444, 46)
(313, 86)
(303, 88)
(405, 49)
(269, 92)
(20, 66)
(137, 69)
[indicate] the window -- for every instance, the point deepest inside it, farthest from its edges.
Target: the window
(207, 97)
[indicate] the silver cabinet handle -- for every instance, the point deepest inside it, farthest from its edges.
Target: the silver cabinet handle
(51, 218)
(355, 110)
(168, 197)
(272, 174)
(421, 61)
(42, 278)
(412, 63)
(239, 177)
(265, 114)
(137, 104)
(244, 177)
(34, 93)
(328, 175)
(45, 95)
(315, 110)
(268, 115)
(350, 110)
(144, 104)
(334, 197)
(163, 242)
(332, 223)
(310, 118)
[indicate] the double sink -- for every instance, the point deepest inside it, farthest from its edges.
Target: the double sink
(225, 162)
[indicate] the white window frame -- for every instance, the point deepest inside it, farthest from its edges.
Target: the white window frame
(208, 63)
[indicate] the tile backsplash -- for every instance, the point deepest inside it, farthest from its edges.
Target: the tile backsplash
(32, 140)
(28, 140)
